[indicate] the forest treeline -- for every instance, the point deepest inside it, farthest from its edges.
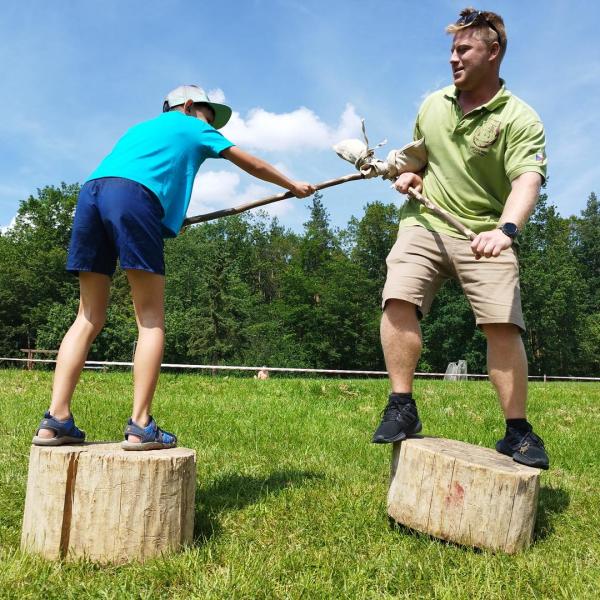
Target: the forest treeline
(245, 290)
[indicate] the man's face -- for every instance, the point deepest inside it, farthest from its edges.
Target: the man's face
(471, 59)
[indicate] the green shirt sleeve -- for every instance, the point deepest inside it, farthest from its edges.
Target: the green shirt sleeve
(417, 135)
(526, 151)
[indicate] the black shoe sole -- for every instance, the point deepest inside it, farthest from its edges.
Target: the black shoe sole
(518, 459)
(400, 436)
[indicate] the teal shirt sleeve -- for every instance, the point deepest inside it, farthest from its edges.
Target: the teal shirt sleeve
(213, 143)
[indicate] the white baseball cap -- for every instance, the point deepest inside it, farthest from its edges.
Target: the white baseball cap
(194, 93)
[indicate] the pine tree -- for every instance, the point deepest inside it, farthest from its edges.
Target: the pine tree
(553, 292)
(318, 240)
(587, 248)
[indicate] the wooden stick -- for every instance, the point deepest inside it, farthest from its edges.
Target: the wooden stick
(227, 212)
(447, 217)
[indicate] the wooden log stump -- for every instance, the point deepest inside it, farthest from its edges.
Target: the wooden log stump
(99, 502)
(463, 493)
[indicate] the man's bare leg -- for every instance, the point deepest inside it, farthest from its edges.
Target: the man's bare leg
(147, 291)
(401, 343)
(507, 367)
(94, 292)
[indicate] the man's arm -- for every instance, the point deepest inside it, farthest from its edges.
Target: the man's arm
(263, 170)
(519, 205)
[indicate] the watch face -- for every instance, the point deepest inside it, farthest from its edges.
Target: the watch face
(510, 229)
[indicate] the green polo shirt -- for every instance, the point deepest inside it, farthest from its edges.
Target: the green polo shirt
(473, 158)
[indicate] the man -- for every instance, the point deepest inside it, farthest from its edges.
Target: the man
(486, 163)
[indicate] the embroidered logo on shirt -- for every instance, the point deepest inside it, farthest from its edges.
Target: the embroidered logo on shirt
(487, 133)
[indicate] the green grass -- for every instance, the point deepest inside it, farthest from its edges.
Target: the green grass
(291, 495)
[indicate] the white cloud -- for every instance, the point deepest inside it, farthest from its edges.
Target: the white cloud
(299, 130)
(4, 228)
(212, 185)
(217, 95)
(255, 191)
(287, 171)
(216, 190)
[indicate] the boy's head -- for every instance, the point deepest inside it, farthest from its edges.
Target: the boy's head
(194, 101)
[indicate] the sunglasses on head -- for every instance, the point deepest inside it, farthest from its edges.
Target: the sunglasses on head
(475, 16)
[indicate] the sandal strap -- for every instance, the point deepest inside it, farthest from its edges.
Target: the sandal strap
(60, 428)
(151, 433)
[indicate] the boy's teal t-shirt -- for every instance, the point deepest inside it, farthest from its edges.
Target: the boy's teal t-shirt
(164, 154)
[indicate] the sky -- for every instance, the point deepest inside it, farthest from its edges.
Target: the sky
(299, 75)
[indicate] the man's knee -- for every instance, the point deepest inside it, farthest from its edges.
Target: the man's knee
(396, 309)
(498, 332)
(399, 316)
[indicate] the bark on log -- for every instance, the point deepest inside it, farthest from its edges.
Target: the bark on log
(102, 503)
(463, 493)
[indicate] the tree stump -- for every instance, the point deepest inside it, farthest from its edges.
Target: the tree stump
(99, 502)
(463, 493)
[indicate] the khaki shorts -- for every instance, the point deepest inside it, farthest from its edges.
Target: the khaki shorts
(421, 260)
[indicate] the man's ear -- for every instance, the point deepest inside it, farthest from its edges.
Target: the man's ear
(187, 106)
(494, 50)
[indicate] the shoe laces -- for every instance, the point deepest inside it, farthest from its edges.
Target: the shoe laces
(529, 439)
(395, 409)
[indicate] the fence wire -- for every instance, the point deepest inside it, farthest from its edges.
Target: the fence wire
(213, 368)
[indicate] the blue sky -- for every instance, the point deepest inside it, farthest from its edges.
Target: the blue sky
(298, 73)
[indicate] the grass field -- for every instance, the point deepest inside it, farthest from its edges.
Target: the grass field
(291, 494)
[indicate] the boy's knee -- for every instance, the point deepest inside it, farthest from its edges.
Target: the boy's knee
(91, 324)
(151, 319)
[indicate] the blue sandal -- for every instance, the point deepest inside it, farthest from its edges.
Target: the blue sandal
(152, 437)
(65, 432)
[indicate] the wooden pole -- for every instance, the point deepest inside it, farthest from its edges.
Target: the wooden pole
(445, 216)
(227, 212)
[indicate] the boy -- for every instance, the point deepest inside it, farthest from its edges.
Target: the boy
(137, 196)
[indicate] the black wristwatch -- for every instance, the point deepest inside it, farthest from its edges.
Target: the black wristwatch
(509, 229)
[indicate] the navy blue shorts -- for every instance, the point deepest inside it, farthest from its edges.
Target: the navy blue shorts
(116, 218)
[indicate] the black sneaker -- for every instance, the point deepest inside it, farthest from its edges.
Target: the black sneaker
(525, 448)
(398, 420)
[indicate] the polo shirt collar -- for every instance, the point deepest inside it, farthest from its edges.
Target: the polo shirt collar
(501, 97)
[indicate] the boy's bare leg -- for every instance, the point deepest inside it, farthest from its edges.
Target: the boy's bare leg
(401, 343)
(507, 367)
(147, 291)
(94, 289)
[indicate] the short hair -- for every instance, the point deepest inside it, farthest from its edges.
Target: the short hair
(167, 108)
(488, 25)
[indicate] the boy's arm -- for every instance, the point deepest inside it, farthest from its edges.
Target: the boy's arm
(263, 170)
